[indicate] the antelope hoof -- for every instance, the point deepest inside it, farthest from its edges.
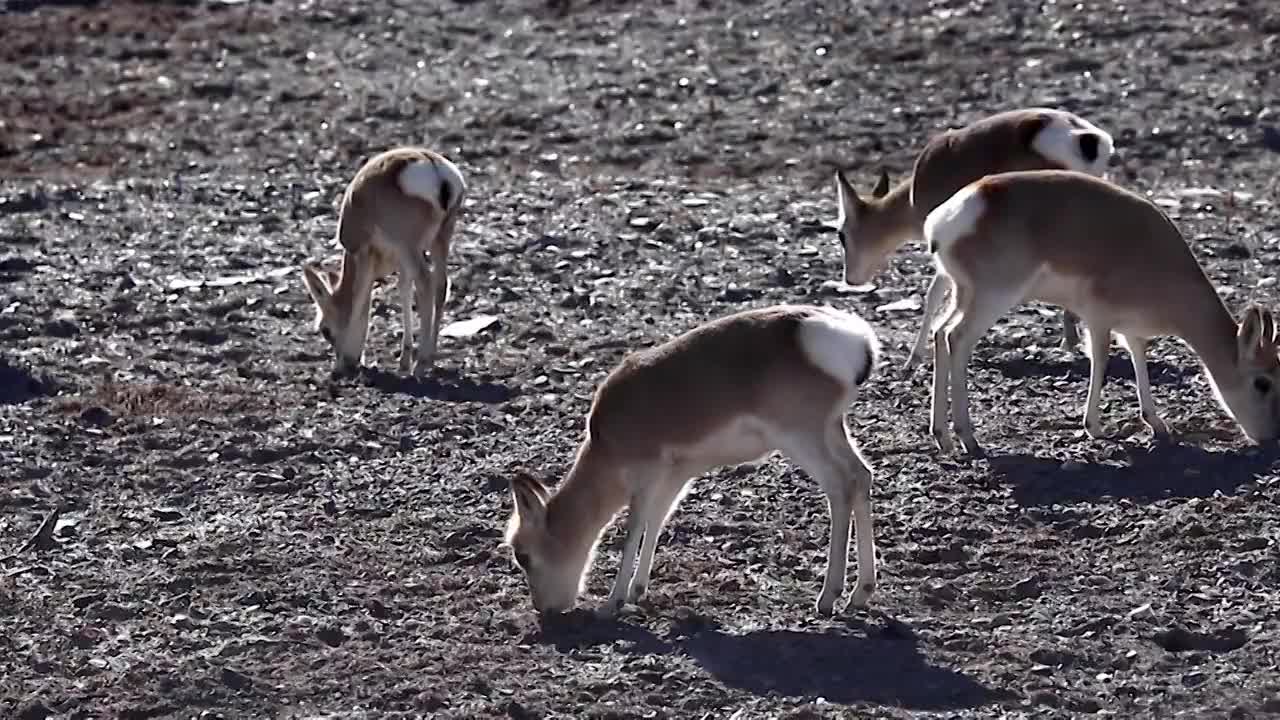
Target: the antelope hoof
(942, 439)
(1094, 430)
(1159, 427)
(637, 591)
(611, 608)
(422, 367)
(826, 605)
(970, 443)
(862, 596)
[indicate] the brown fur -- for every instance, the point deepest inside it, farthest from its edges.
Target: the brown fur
(719, 394)
(1002, 142)
(379, 229)
(1114, 258)
(1125, 250)
(949, 160)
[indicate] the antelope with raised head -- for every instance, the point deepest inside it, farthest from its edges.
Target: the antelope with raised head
(872, 228)
(729, 391)
(1117, 261)
(402, 205)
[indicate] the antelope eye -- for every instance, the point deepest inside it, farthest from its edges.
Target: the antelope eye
(522, 559)
(1262, 385)
(327, 334)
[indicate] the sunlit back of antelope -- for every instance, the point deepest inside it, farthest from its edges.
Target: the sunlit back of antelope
(1118, 262)
(873, 228)
(729, 391)
(402, 203)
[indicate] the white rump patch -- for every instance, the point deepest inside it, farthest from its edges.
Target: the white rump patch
(1059, 142)
(840, 344)
(425, 180)
(955, 218)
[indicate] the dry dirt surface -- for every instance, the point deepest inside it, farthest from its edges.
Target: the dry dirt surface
(230, 532)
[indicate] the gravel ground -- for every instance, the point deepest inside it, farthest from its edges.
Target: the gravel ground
(242, 536)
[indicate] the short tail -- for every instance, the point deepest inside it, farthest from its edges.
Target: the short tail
(840, 344)
(436, 180)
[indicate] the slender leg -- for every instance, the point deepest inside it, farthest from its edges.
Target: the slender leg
(940, 400)
(813, 453)
(840, 504)
(842, 443)
(1099, 351)
(1070, 333)
(627, 565)
(440, 280)
(405, 281)
(440, 285)
(1138, 352)
(938, 287)
(980, 312)
(427, 319)
(663, 504)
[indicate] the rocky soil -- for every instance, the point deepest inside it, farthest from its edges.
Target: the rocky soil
(230, 532)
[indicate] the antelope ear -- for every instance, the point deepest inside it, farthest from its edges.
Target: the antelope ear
(317, 283)
(882, 187)
(530, 501)
(1249, 335)
(850, 203)
(1268, 329)
(521, 474)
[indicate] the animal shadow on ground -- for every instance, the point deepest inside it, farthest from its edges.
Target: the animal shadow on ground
(1153, 473)
(443, 385)
(870, 662)
(19, 384)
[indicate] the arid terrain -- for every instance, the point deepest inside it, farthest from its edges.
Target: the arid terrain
(237, 534)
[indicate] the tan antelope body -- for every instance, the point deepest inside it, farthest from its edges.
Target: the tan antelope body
(1119, 263)
(402, 203)
(729, 391)
(1024, 139)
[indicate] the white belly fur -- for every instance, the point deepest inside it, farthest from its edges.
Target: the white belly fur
(742, 440)
(1074, 293)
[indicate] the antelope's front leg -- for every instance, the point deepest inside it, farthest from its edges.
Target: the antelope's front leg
(627, 564)
(932, 304)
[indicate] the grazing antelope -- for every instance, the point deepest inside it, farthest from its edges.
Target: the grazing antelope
(402, 203)
(729, 391)
(1024, 139)
(1119, 263)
